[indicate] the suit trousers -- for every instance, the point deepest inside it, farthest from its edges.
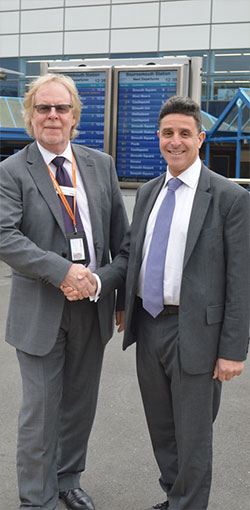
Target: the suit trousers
(59, 402)
(180, 409)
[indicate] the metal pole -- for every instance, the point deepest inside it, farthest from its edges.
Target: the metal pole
(238, 143)
(195, 81)
(43, 68)
(207, 153)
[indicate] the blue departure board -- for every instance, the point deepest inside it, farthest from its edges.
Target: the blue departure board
(140, 97)
(91, 86)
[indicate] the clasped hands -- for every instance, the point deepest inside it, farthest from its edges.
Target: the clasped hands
(79, 283)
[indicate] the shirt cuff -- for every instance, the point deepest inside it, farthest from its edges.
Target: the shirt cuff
(98, 290)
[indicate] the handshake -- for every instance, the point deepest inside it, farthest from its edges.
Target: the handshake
(79, 283)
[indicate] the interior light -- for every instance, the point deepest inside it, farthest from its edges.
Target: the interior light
(40, 61)
(227, 54)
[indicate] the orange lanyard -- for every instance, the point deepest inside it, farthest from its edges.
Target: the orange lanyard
(65, 202)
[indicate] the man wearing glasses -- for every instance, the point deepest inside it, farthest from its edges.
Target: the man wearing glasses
(60, 210)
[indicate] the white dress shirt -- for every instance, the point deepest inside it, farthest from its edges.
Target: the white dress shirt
(184, 197)
(81, 197)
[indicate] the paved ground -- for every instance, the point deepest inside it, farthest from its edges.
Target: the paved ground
(121, 471)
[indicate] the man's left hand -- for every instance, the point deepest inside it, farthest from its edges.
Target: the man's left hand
(226, 369)
(120, 318)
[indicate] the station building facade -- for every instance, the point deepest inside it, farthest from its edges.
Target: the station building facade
(32, 31)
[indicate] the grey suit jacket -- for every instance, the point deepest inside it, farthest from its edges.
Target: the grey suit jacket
(33, 242)
(215, 289)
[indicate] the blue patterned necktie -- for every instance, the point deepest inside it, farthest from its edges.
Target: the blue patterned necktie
(153, 300)
(63, 179)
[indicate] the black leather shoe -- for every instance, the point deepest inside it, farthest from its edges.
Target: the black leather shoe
(77, 499)
(162, 506)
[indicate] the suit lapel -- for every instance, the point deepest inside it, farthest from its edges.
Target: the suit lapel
(41, 177)
(151, 198)
(199, 210)
(89, 177)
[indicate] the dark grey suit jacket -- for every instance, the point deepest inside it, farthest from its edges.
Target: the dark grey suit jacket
(215, 289)
(33, 242)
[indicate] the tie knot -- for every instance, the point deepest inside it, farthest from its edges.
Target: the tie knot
(173, 184)
(58, 161)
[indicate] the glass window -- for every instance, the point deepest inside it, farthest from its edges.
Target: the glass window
(9, 81)
(9, 87)
(228, 71)
(232, 62)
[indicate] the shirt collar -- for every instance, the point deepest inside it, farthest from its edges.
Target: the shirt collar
(190, 176)
(49, 156)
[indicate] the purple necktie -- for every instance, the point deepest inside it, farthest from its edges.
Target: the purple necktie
(63, 179)
(153, 300)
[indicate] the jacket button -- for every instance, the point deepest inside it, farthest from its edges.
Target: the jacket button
(64, 255)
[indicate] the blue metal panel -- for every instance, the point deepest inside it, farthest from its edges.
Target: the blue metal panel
(14, 134)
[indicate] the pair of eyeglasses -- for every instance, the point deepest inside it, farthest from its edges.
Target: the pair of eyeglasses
(60, 108)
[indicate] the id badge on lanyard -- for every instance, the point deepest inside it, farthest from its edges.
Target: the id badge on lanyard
(78, 248)
(78, 245)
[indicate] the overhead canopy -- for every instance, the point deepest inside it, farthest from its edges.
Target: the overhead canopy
(234, 121)
(208, 121)
(232, 126)
(11, 120)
